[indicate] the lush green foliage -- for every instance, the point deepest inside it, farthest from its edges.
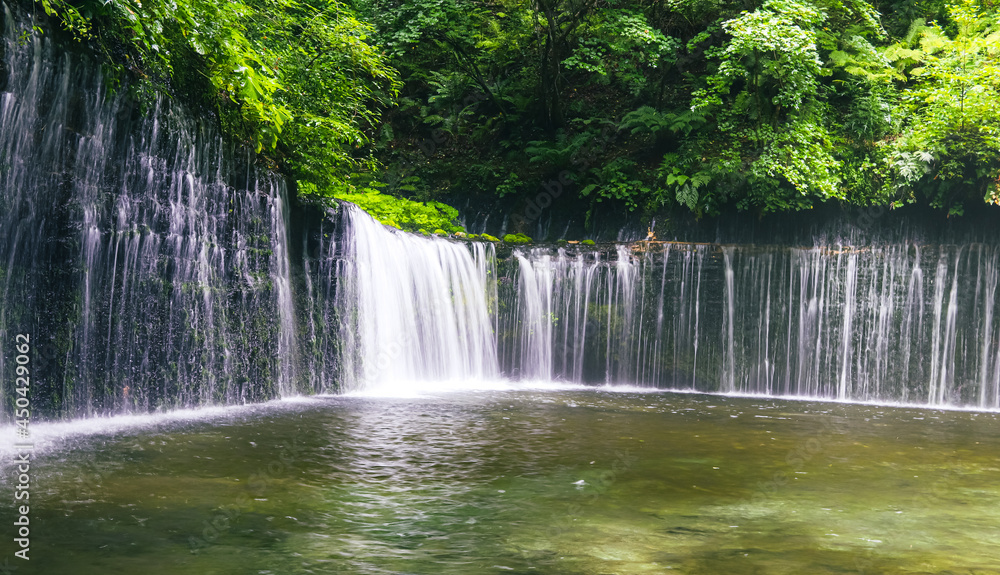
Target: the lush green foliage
(696, 105)
(701, 105)
(403, 213)
(298, 80)
(951, 144)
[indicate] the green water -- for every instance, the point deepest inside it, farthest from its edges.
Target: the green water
(557, 482)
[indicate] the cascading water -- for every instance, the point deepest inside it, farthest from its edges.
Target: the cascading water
(149, 266)
(153, 269)
(412, 308)
(613, 317)
(840, 322)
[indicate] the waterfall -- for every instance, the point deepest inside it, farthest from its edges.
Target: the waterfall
(729, 321)
(152, 265)
(842, 322)
(578, 317)
(412, 309)
(146, 259)
(538, 321)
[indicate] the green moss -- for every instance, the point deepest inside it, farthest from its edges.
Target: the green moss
(490, 238)
(516, 239)
(403, 213)
(587, 242)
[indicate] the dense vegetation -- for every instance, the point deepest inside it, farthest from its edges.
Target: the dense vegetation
(650, 105)
(704, 105)
(298, 81)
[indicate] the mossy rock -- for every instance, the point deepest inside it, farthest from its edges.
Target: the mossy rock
(489, 238)
(588, 242)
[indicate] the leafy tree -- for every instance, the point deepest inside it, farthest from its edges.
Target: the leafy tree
(950, 149)
(695, 105)
(774, 146)
(298, 80)
(333, 80)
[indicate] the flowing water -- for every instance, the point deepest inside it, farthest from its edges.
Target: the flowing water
(416, 308)
(558, 481)
(897, 322)
(148, 262)
(155, 268)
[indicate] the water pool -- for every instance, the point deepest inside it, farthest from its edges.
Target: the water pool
(572, 481)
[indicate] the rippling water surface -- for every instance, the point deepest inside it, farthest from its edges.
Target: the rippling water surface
(576, 481)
